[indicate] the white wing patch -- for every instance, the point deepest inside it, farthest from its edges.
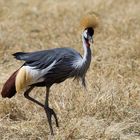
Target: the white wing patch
(29, 75)
(37, 74)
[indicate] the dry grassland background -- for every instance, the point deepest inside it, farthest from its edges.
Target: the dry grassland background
(110, 108)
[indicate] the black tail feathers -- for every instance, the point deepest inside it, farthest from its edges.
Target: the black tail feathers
(19, 55)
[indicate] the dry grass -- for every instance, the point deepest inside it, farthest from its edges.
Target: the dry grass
(110, 108)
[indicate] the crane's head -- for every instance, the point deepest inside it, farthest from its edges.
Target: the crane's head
(88, 34)
(88, 24)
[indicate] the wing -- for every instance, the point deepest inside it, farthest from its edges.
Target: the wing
(42, 59)
(38, 59)
(55, 64)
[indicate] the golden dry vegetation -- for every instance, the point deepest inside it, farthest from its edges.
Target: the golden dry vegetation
(110, 107)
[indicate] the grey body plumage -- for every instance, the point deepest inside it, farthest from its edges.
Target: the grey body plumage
(68, 63)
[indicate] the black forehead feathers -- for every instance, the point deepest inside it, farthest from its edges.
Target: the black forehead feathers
(90, 31)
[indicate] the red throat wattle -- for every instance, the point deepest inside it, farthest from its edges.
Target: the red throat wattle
(87, 43)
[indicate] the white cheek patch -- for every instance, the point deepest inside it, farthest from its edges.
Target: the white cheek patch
(85, 33)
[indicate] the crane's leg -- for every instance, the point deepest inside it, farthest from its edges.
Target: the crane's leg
(50, 112)
(26, 95)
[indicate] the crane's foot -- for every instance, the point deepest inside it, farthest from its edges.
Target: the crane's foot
(50, 112)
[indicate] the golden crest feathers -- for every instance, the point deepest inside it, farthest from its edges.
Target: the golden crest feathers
(90, 20)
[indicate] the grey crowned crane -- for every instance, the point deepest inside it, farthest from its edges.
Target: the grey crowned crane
(44, 68)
